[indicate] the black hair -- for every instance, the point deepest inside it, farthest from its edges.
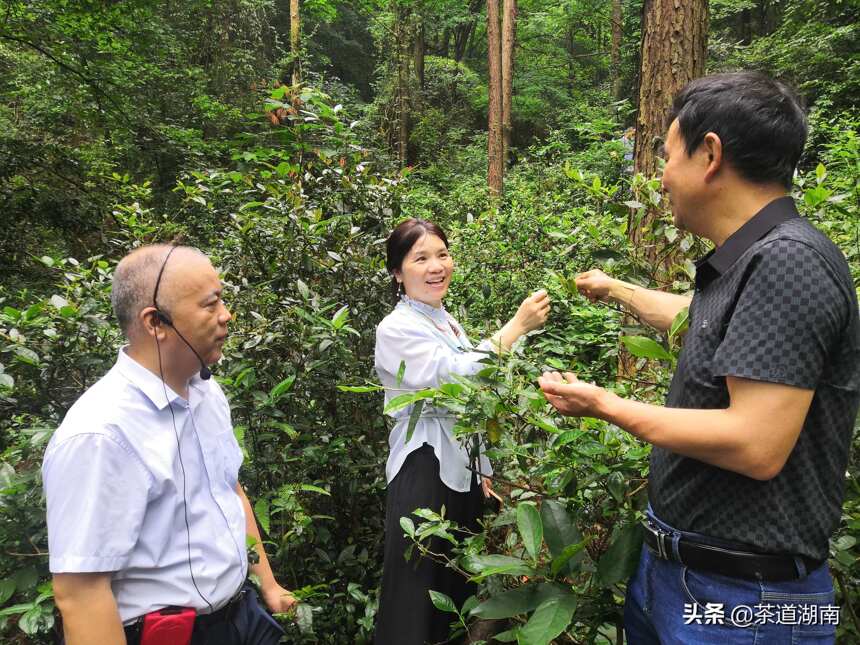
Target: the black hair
(401, 241)
(760, 121)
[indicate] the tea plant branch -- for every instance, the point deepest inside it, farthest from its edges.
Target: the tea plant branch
(508, 482)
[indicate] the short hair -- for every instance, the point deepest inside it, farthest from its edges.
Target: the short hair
(761, 123)
(134, 280)
(402, 239)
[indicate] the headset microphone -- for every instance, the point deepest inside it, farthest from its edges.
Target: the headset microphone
(205, 372)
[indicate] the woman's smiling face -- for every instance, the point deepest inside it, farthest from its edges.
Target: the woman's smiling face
(426, 270)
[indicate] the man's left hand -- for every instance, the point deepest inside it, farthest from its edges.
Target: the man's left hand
(277, 599)
(570, 396)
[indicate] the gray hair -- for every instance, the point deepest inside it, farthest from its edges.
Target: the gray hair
(134, 283)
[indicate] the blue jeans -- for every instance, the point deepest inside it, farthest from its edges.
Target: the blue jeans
(668, 603)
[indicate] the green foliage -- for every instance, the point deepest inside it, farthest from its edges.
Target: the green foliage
(127, 123)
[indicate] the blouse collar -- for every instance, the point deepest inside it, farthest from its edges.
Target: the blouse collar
(438, 315)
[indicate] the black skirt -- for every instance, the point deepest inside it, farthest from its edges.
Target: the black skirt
(406, 614)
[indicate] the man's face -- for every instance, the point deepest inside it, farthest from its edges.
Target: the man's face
(683, 180)
(196, 309)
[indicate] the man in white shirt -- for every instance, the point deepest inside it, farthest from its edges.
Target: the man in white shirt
(145, 510)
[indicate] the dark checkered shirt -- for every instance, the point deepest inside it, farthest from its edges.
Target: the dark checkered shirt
(774, 303)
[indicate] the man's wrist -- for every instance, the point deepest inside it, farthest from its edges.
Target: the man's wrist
(606, 406)
(622, 292)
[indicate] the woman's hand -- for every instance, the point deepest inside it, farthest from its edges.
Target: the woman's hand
(532, 313)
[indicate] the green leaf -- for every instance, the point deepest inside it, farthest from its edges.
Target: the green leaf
(515, 602)
(26, 579)
(360, 389)
(530, 528)
(559, 531)
(340, 317)
(261, 510)
(6, 381)
(282, 388)
(27, 355)
(568, 557)
(7, 588)
(617, 486)
(620, 560)
(548, 621)
(305, 618)
(400, 402)
(310, 488)
(413, 419)
(544, 423)
(644, 347)
(443, 602)
(408, 526)
(680, 323)
(303, 289)
(487, 565)
(401, 370)
(509, 636)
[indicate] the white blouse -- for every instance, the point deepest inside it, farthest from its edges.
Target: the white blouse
(433, 347)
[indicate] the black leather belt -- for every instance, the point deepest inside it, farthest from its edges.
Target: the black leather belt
(737, 564)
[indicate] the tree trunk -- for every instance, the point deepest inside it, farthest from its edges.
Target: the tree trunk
(509, 36)
(418, 50)
(495, 155)
(401, 47)
(295, 41)
(446, 40)
(674, 44)
(463, 31)
(571, 75)
(615, 52)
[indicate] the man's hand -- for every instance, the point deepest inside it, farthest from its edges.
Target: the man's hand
(594, 285)
(570, 396)
(277, 599)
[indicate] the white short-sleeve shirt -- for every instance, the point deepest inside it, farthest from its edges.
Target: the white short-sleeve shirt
(114, 486)
(433, 347)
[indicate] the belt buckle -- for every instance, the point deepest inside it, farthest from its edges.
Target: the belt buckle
(661, 536)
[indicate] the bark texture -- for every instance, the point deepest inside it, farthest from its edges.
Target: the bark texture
(495, 154)
(615, 51)
(674, 44)
(295, 41)
(509, 37)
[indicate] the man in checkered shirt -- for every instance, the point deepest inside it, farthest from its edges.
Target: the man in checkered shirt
(750, 450)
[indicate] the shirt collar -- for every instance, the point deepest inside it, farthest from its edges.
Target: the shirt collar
(718, 261)
(436, 315)
(152, 386)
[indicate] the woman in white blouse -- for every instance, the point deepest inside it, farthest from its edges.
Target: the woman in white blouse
(432, 469)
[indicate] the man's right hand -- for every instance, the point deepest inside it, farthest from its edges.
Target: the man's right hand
(594, 285)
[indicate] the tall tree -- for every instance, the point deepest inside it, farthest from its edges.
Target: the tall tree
(509, 36)
(495, 146)
(615, 52)
(419, 49)
(295, 41)
(401, 30)
(674, 45)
